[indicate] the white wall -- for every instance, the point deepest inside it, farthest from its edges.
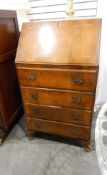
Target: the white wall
(58, 8)
(21, 7)
(13, 4)
(102, 85)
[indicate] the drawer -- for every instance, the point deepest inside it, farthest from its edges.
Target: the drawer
(59, 128)
(83, 80)
(72, 99)
(66, 115)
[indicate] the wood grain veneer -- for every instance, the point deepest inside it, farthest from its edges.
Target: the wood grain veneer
(57, 67)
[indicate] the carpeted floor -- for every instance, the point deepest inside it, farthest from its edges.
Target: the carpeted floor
(44, 156)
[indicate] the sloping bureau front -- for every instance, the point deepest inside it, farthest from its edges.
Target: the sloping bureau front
(57, 66)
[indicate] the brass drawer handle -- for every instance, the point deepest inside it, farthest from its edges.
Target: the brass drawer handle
(34, 96)
(76, 100)
(75, 117)
(31, 77)
(78, 81)
(74, 131)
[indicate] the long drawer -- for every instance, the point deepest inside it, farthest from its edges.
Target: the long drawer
(83, 80)
(58, 128)
(66, 115)
(52, 97)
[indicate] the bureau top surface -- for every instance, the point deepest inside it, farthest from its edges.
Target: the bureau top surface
(60, 42)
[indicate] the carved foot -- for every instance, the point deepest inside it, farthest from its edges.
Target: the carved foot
(30, 135)
(3, 135)
(87, 146)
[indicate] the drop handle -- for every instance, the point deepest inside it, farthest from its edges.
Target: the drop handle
(76, 100)
(78, 81)
(74, 131)
(75, 117)
(31, 77)
(34, 96)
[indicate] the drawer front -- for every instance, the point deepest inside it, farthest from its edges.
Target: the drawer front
(84, 80)
(58, 114)
(59, 128)
(75, 100)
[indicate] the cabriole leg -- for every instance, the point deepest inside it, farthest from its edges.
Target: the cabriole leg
(30, 134)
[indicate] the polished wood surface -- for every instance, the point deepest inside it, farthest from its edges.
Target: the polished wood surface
(52, 97)
(9, 34)
(66, 115)
(60, 42)
(10, 100)
(82, 80)
(57, 67)
(9, 88)
(8, 31)
(62, 129)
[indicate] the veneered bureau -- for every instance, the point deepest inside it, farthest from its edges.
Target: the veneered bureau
(57, 66)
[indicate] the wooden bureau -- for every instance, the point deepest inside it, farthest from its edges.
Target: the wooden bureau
(10, 99)
(57, 66)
